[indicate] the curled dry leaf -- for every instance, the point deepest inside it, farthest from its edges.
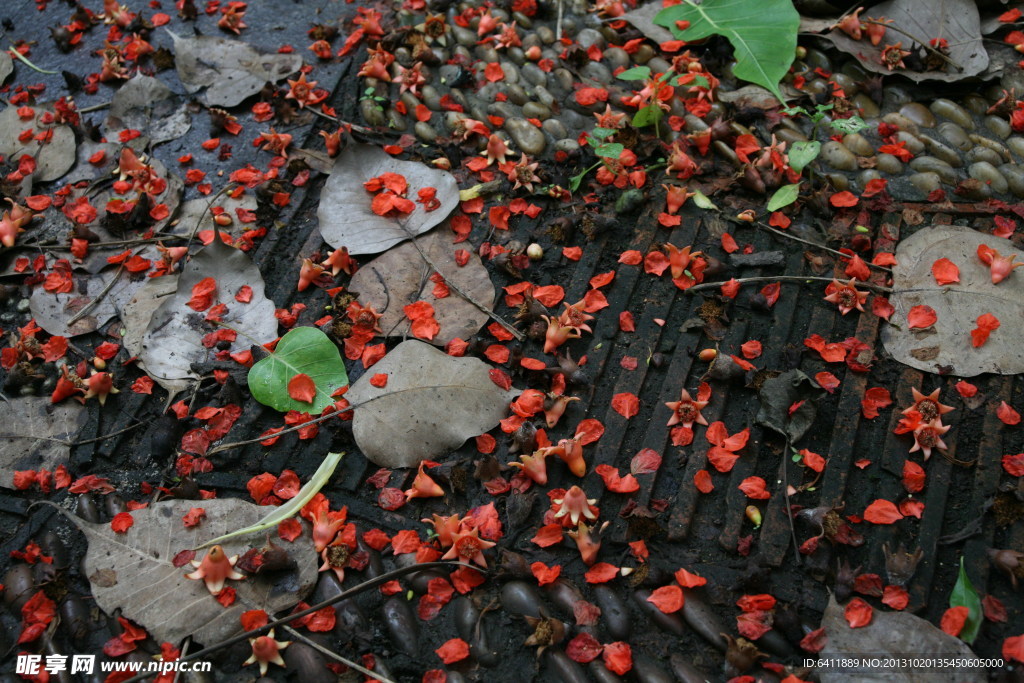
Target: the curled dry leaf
(346, 219)
(145, 103)
(956, 21)
(53, 159)
(947, 343)
(6, 66)
(53, 311)
(892, 634)
(133, 571)
(35, 416)
(395, 278)
(778, 396)
(230, 70)
(174, 338)
(431, 404)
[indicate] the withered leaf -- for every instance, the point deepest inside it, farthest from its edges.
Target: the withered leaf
(35, 416)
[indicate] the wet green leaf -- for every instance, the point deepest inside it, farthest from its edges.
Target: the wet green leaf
(803, 153)
(304, 350)
(763, 40)
(637, 73)
(784, 196)
(964, 595)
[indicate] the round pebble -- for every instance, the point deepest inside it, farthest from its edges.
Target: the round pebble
(396, 121)
(486, 53)
(425, 132)
(948, 109)
(522, 20)
(567, 145)
(919, 114)
(837, 156)
(867, 175)
(588, 37)
(534, 75)
(926, 164)
(990, 175)
(597, 72)
(867, 107)
(976, 104)
(373, 114)
(546, 35)
(1016, 145)
(980, 153)
(999, 126)
(659, 65)
(517, 95)
(911, 142)
(847, 83)
(1014, 175)
(816, 59)
(431, 97)
(943, 152)
(895, 96)
(838, 181)
(997, 147)
(858, 144)
(505, 110)
(463, 36)
(563, 79)
(901, 122)
(955, 136)
(544, 97)
(511, 72)
(555, 129)
(527, 137)
(887, 163)
(726, 152)
(644, 54)
(925, 182)
(789, 135)
(817, 87)
(616, 58)
(536, 110)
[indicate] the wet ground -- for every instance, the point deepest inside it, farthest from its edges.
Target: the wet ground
(971, 503)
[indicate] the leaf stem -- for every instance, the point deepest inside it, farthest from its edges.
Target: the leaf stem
(88, 308)
(23, 58)
(334, 655)
(782, 278)
(781, 233)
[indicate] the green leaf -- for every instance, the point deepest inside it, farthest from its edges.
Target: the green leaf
(599, 134)
(647, 116)
(854, 124)
(304, 350)
(637, 73)
(703, 201)
(784, 196)
(964, 595)
(609, 149)
(803, 153)
(291, 507)
(763, 37)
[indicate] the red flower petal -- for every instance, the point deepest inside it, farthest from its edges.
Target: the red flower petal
(953, 620)
(302, 388)
(945, 272)
(1007, 414)
(668, 599)
(882, 512)
(843, 199)
(602, 572)
(618, 657)
(454, 650)
(545, 574)
(583, 648)
(858, 613)
(921, 317)
(754, 487)
(626, 404)
(702, 480)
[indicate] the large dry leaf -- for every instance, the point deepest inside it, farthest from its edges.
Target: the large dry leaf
(431, 404)
(145, 103)
(396, 278)
(6, 66)
(955, 20)
(643, 19)
(114, 289)
(894, 634)
(133, 571)
(947, 344)
(346, 219)
(35, 416)
(53, 159)
(230, 70)
(174, 339)
(197, 214)
(136, 314)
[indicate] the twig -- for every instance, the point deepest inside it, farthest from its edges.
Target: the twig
(94, 107)
(315, 420)
(455, 288)
(15, 53)
(334, 655)
(558, 21)
(781, 233)
(783, 278)
(923, 43)
(71, 444)
(789, 507)
(206, 210)
(365, 585)
(88, 308)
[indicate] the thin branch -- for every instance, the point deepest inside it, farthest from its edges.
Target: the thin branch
(782, 278)
(789, 509)
(94, 107)
(334, 655)
(781, 233)
(365, 585)
(88, 308)
(71, 444)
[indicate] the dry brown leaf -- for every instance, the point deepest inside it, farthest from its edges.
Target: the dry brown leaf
(230, 70)
(35, 416)
(53, 311)
(955, 20)
(431, 404)
(948, 342)
(53, 159)
(133, 571)
(346, 219)
(396, 278)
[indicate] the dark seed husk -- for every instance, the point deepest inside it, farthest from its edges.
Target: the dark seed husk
(115, 504)
(308, 665)
(565, 595)
(600, 673)
(85, 507)
(75, 620)
(402, 625)
(51, 545)
(646, 670)
(473, 629)
(19, 586)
